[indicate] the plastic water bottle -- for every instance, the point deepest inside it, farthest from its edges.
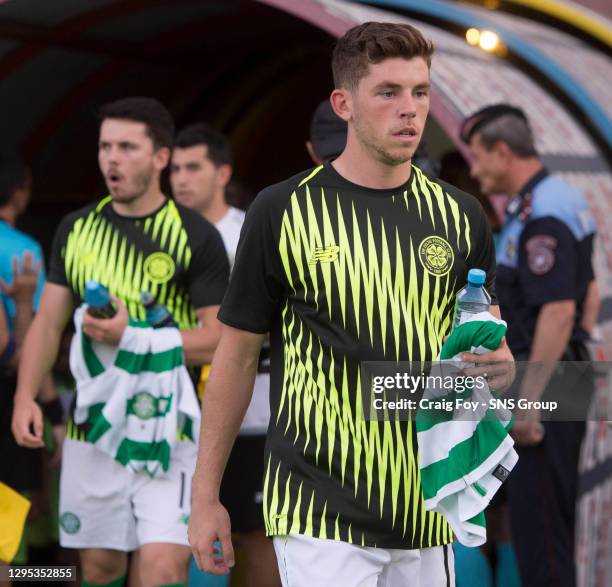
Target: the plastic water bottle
(473, 298)
(99, 301)
(157, 314)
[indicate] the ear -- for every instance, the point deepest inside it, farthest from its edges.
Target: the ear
(502, 150)
(224, 174)
(342, 103)
(312, 154)
(161, 158)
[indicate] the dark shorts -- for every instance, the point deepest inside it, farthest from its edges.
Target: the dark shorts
(242, 485)
(20, 468)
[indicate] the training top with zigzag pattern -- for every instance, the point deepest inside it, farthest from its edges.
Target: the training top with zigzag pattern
(173, 253)
(340, 274)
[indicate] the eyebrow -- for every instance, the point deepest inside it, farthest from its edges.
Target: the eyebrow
(388, 86)
(396, 86)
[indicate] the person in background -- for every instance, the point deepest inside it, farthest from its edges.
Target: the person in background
(544, 282)
(22, 277)
(455, 170)
(106, 510)
(200, 170)
(327, 134)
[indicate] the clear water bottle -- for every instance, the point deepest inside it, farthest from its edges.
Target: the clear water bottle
(99, 301)
(473, 298)
(157, 314)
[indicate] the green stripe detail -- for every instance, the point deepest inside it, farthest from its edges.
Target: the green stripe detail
(116, 583)
(463, 458)
(131, 450)
(93, 364)
(98, 424)
(150, 362)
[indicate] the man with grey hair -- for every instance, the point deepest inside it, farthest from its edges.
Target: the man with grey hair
(547, 293)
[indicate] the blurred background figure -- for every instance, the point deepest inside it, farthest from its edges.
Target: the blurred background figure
(22, 277)
(200, 171)
(544, 275)
(455, 170)
(327, 134)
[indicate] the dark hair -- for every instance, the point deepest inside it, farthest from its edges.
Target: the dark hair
(373, 42)
(14, 175)
(512, 130)
(152, 113)
(200, 133)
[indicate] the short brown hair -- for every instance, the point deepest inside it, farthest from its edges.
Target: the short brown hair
(373, 42)
(152, 113)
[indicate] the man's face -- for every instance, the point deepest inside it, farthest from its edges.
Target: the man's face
(490, 168)
(195, 179)
(389, 108)
(128, 159)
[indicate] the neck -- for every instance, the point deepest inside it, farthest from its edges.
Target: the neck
(8, 214)
(217, 209)
(357, 166)
(146, 204)
(521, 171)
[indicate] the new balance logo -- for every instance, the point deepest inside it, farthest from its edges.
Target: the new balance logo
(324, 255)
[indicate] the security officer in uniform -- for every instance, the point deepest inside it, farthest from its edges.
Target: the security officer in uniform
(547, 293)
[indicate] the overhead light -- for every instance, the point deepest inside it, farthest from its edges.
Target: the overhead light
(472, 36)
(488, 40)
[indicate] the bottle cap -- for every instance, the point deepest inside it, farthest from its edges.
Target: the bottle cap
(96, 295)
(146, 299)
(476, 277)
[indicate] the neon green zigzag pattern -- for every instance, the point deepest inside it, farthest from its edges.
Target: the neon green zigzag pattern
(419, 316)
(118, 264)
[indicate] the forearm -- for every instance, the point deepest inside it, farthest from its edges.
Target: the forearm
(591, 306)
(23, 319)
(40, 350)
(226, 399)
(48, 393)
(552, 335)
(199, 345)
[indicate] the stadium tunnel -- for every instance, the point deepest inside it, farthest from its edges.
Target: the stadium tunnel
(257, 68)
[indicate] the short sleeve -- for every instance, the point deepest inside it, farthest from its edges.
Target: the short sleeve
(208, 270)
(547, 262)
(483, 253)
(257, 281)
(57, 266)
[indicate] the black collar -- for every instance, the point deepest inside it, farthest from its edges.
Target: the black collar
(519, 202)
(533, 181)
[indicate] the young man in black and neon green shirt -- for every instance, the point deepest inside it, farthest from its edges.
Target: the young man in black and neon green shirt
(134, 240)
(356, 260)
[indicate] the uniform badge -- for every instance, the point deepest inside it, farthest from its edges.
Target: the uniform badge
(144, 405)
(70, 522)
(436, 255)
(541, 254)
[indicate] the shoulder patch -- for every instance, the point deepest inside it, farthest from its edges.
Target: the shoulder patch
(541, 253)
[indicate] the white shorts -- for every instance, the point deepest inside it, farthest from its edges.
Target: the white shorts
(304, 562)
(103, 505)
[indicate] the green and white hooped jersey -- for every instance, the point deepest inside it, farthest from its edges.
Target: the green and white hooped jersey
(340, 274)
